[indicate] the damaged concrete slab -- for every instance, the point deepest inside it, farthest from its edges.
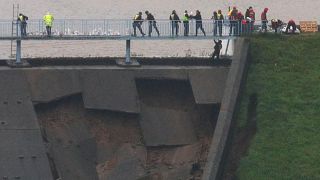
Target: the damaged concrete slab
(22, 155)
(161, 126)
(16, 110)
(110, 90)
(51, 84)
(124, 118)
(208, 85)
(22, 152)
(74, 150)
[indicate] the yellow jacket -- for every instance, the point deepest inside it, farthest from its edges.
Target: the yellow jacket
(48, 19)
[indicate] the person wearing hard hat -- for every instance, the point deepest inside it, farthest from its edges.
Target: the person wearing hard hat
(48, 21)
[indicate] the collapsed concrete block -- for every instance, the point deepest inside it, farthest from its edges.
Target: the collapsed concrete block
(110, 90)
(208, 84)
(50, 84)
(161, 126)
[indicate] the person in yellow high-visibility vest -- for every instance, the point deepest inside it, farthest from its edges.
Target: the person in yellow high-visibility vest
(48, 21)
(22, 20)
(185, 20)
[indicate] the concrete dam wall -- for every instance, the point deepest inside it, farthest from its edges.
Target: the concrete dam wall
(103, 121)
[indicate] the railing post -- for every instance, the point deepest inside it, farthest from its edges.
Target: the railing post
(128, 58)
(18, 48)
(64, 32)
(39, 27)
(82, 31)
(86, 26)
(107, 28)
(18, 52)
(226, 52)
(239, 27)
(130, 27)
(104, 26)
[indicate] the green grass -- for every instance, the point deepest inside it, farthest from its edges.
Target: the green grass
(285, 73)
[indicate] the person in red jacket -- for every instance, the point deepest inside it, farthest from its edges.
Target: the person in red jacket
(264, 20)
(292, 24)
(240, 18)
(252, 16)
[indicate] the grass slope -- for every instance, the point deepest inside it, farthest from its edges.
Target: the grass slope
(285, 74)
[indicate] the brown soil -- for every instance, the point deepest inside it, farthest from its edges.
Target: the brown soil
(118, 137)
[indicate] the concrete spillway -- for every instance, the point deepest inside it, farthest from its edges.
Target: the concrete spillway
(103, 121)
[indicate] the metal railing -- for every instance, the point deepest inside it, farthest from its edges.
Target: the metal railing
(124, 28)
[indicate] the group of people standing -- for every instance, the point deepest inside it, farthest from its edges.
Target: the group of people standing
(138, 20)
(240, 23)
(175, 20)
(237, 22)
(22, 21)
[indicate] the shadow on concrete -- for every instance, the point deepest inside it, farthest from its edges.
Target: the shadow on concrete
(74, 61)
(242, 140)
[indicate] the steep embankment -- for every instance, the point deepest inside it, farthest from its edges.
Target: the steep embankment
(278, 123)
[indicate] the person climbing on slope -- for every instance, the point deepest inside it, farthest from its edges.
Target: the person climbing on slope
(217, 48)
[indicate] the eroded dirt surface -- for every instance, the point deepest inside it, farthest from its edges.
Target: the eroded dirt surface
(95, 144)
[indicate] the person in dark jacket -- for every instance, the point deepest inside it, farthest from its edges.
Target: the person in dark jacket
(276, 24)
(198, 19)
(175, 20)
(217, 48)
(137, 22)
(215, 22)
(22, 20)
(247, 14)
(152, 22)
(185, 21)
(247, 18)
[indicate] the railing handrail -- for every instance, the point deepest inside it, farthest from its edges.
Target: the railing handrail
(93, 19)
(127, 27)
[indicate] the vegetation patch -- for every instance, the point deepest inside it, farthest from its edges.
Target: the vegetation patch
(284, 75)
